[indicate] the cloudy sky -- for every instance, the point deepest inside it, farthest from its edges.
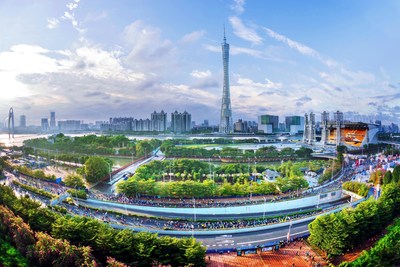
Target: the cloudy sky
(91, 60)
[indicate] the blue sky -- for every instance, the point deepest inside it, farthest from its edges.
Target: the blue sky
(93, 60)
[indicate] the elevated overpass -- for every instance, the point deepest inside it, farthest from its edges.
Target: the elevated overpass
(324, 155)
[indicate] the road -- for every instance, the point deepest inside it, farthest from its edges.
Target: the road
(254, 238)
(110, 186)
(233, 212)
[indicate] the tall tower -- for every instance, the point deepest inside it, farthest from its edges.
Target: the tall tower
(11, 129)
(52, 120)
(324, 125)
(226, 122)
(22, 121)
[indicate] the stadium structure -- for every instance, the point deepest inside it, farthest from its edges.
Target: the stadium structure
(340, 132)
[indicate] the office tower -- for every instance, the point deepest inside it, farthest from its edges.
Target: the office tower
(22, 121)
(268, 123)
(309, 129)
(69, 125)
(324, 126)
(294, 124)
(52, 120)
(226, 122)
(306, 129)
(11, 129)
(45, 124)
(338, 119)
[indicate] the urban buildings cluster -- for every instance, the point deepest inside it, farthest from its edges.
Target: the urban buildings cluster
(327, 132)
(179, 123)
(339, 131)
(269, 124)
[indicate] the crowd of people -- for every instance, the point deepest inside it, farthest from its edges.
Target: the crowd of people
(202, 202)
(130, 220)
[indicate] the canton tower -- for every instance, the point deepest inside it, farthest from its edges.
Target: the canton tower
(226, 124)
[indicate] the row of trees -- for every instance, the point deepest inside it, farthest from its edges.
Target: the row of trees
(360, 189)
(385, 177)
(10, 256)
(214, 141)
(40, 249)
(386, 252)
(338, 232)
(40, 174)
(187, 189)
(269, 153)
(81, 241)
(90, 145)
(189, 169)
(193, 179)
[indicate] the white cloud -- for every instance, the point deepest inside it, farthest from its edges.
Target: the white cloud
(68, 15)
(237, 6)
(244, 32)
(147, 49)
(193, 36)
(301, 48)
(52, 23)
(96, 16)
(200, 74)
(72, 6)
(236, 50)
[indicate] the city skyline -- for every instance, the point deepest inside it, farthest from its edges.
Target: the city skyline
(92, 61)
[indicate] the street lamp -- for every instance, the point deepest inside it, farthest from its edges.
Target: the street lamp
(194, 209)
(265, 203)
(288, 234)
(109, 169)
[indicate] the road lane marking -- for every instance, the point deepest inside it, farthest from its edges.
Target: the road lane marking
(269, 239)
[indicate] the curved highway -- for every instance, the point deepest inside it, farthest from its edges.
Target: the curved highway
(237, 212)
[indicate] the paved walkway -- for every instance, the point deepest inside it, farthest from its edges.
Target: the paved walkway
(286, 256)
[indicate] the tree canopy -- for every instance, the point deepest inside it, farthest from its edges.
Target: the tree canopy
(96, 168)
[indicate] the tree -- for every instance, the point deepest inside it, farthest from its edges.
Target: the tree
(340, 150)
(387, 179)
(396, 174)
(96, 168)
(74, 180)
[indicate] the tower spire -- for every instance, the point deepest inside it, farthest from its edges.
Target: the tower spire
(224, 34)
(226, 123)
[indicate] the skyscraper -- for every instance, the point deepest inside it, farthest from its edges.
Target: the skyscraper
(226, 122)
(22, 121)
(52, 120)
(181, 122)
(159, 121)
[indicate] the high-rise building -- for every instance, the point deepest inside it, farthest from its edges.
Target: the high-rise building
(52, 120)
(268, 123)
(45, 124)
(159, 121)
(324, 127)
(338, 119)
(294, 124)
(22, 121)
(11, 129)
(309, 129)
(226, 122)
(240, 126)
(181, 122)
(69, 125)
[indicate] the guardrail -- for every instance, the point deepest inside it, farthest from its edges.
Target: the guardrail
(236, 231)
